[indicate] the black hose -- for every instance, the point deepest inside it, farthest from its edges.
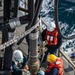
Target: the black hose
(37, 11)
(28, 27)
(56, 22)
(34, 19)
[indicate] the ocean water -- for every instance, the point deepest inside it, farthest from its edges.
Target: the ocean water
(66, 14)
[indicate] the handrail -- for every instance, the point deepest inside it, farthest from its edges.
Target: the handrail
(43, 21)
(67, 58)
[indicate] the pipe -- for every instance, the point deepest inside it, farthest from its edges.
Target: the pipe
(33, 57)
(22, 9)
(13, 23)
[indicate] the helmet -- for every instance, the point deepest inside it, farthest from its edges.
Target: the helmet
(51, 27)
(51, 58)
(41, 72)
(18, 56)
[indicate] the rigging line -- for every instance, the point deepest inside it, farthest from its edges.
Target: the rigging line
(56, 22)
(17, 38)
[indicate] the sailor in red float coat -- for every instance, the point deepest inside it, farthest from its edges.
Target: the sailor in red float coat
(57, 64)
(53, 40)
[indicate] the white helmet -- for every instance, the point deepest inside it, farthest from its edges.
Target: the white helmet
(51, 27)
(18, 56)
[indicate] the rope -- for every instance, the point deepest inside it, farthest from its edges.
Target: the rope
(17, 38)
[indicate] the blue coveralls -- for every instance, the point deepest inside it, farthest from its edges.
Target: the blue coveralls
(18, 70)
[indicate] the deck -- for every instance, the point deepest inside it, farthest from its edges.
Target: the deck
(24, 47)
(68, 69)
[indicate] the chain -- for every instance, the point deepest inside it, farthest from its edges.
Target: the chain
(17, 38)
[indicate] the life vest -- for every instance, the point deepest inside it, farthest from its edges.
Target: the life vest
(58, 64)
(51, 37)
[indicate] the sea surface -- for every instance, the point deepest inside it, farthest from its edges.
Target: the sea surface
(66, 14)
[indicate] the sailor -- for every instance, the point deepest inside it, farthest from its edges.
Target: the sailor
(52, 39)
(55, 65)
(19, 63)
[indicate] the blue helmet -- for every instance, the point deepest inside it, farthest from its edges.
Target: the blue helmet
(41, 72)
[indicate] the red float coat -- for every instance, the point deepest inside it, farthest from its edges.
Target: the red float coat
(58, 64)
(52, 37)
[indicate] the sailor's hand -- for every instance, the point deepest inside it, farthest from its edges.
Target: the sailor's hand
(26, 67)
(24, 70)
(43, 68)
(46, 42)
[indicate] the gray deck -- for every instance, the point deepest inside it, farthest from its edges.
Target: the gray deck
(68, 70)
